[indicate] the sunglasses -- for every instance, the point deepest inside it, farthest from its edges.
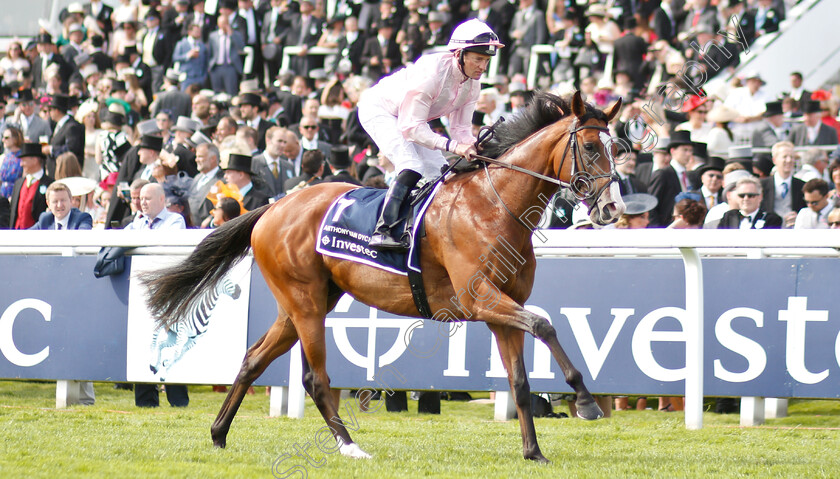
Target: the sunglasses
(309, 127)
(834, 223)
(813, 203)
(747, 195)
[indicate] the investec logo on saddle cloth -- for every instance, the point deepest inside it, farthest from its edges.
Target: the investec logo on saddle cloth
(349, 223)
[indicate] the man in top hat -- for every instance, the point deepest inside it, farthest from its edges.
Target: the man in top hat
(772, 129)
(741, 154)
(62, 215)
(29, 194)
(239, 172)
(101, 14)
(181, 144)
(381, 54)
(340, 162)
(711, 179)
(250, 109)
(667, 182)
(137, 164)
(172, 98)
(191, 53)
(27, 119)
(69, 134)
(812, 131)
(271, 165)
(48, 55)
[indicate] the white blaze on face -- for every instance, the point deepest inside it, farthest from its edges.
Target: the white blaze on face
(606, 140)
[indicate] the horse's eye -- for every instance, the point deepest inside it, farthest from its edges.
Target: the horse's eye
(589, 146)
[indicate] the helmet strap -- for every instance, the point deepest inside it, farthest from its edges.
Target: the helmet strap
(461, 54)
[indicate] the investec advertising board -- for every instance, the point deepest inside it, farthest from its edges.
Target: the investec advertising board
(771, 329)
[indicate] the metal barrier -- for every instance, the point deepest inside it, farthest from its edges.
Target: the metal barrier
(690, 245)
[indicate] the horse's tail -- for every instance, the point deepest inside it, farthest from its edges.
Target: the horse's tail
(173, 290)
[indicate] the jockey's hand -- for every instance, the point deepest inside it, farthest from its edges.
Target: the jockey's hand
(466, 151)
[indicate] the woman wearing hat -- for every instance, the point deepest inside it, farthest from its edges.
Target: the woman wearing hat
(720, 137)
(638, 207)
(395, 112)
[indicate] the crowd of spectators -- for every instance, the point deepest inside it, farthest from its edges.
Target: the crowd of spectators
(202, 102)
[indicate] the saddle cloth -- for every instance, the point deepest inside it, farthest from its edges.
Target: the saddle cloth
(350, 221)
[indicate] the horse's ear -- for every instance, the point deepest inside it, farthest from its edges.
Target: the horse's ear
(614, 110)
(578, 107)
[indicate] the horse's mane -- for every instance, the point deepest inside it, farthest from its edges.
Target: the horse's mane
(543, 110)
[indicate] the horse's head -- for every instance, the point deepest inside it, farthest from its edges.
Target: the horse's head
(591, 165)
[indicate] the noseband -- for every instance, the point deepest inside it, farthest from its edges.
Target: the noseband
(580, 182)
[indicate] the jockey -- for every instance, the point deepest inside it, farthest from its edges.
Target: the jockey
(395, 112)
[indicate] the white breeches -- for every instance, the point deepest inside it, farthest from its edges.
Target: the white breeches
(382, 128)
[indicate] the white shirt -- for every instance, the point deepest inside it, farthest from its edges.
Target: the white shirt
(747, 221)
(813, 220)
(245, 189)
(165, 220)
(682, 174)
(63, 222)
(32, 178)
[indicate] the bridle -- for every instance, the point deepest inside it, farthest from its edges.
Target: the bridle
(581, 181)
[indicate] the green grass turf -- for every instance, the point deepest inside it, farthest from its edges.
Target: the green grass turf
(115, 439)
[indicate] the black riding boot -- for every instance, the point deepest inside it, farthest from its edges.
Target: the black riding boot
(383, 237)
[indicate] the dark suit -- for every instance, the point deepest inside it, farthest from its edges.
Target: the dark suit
(174, 100)
(768, 190)
(342, 176)
(303, 177)
(102, 61)
(130, 167)
(826, 135)
(5, 210)
(239, 23)
(303, 32)
(273, 32)
(764, 136)
(76, 221)
(255, 198)
(373, 48)
(732, 220)
(39, 202)
(200, 206)
(631, 184)
(65, 70)
(103, 18)
(275, 185)
(665, 186)
(630, 51)
(292, 108)
(664, 28)
(644, 172)
(351, 51)
(771, 21)
(70, 137)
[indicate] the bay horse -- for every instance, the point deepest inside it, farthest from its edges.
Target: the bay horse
(552, 139)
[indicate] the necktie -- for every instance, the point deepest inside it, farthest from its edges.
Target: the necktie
(59, 226)
(274, 170)
(152, 223)
(29, 180)
(696, 18)
(785, 190)
(711, 201)
(684, 180)
(628, 186)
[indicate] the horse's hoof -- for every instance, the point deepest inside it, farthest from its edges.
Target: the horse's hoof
(538, 458)
(354, 451)
(220, 443)
(589, 411)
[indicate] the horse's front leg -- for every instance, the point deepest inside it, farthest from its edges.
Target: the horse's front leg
(511, 342)
(501, 310)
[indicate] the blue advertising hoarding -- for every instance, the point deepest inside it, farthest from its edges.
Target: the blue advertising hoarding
(771, 329)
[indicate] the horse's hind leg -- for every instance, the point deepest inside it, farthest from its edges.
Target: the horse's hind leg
(511, 342)
(277, 341)
(317, 382)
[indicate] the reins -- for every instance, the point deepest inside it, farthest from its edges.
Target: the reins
(583, 176)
